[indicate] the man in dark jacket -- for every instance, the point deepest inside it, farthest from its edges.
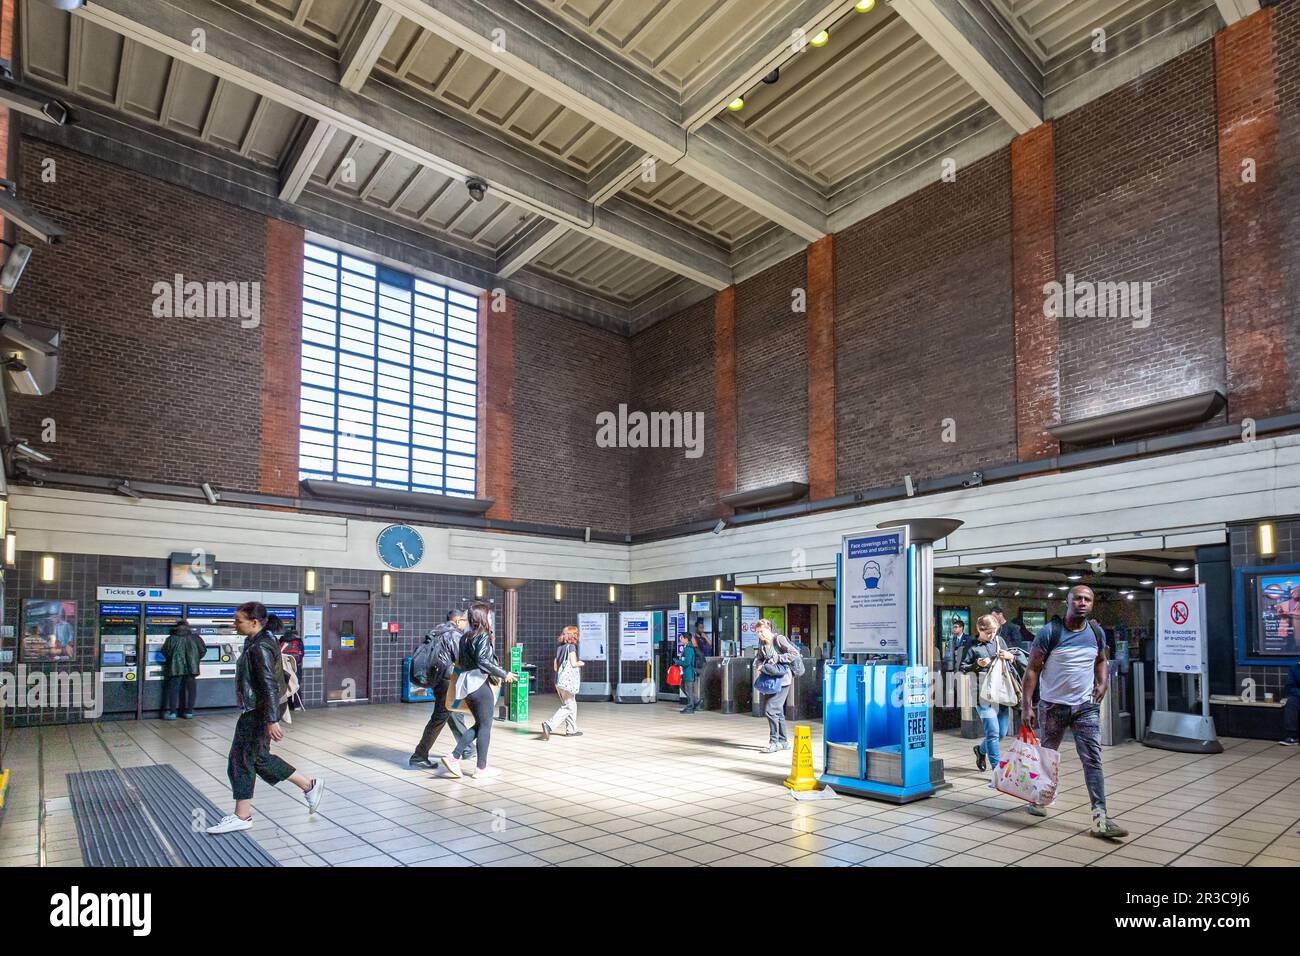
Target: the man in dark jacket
(1291, 713)
(182, 652)
(259, 685)
(447, 637)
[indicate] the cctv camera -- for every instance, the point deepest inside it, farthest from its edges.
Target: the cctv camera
(974, 481)
(27, 451)
(31, 102)
(477, 188)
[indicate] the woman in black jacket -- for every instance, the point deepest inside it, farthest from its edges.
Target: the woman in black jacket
(479, 673)
(979, 657)
(259, 683)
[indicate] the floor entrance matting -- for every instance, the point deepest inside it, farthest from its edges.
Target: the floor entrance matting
(152, 816)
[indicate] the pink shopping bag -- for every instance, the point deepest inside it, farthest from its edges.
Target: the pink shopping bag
(1027, 771)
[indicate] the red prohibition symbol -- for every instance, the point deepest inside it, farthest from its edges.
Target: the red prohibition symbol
(1179, 612)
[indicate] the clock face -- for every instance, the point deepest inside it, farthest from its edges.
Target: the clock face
(400, 547)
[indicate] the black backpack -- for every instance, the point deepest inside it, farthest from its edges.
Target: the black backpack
(423, 667)
(1058, 629)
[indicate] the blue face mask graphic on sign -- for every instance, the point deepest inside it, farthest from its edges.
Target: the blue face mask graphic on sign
(871, 575)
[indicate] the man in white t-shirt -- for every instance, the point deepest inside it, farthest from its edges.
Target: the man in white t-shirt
(1067, 666)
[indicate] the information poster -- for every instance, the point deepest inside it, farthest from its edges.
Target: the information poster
(874, 580)
(635, 636)
(777, 616)
(312, 627)
(700, 611)
(49, 630)
(1279, 613)
(749, 617)
(1178, 629)
(593, 637)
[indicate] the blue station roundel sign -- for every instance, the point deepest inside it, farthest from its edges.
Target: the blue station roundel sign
(400, 547)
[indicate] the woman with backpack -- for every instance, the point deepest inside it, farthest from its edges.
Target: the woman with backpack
(979, 656)
(568, 678)
(773, 662)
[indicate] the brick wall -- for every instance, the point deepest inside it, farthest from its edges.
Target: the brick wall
(167, 399)
(281, 351)
(771, 378)
(673, 371)
(923, 332)
(1136, 201)
(566, 373)
(1286, 47)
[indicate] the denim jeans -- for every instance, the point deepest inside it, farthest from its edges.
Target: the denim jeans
(995, 720)
(1084, 720)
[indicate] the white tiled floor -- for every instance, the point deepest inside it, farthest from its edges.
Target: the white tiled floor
(647, 786)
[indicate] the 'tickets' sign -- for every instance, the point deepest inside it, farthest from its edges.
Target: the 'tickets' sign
(873, 570)
(1178, 629)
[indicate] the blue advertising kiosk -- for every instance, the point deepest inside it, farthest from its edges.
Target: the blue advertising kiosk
(878, 718)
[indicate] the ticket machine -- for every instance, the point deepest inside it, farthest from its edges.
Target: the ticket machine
(119, 637)
(134, 632)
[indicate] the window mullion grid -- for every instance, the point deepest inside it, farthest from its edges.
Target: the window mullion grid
(338, 346)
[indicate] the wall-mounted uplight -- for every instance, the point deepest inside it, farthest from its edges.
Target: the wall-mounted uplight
(386, 584)
(864, 6)
(309, 581)
(821, 39)
(1267, 546)
(613, 594)
(737, 104)
(717, 584)
(559, 591)
(478, 588)
(11, 549)
(47, 569)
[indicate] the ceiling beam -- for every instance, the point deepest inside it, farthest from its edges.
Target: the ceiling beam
(1234, 10)
(981, 47)
(239, 50)
(308, 146)
(768, 52)
(371, 34)
(572, 70)
(528, 246)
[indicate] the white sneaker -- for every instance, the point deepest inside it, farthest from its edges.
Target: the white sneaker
(230, 823)
(487, 773)
(451, 765)
(314, 794)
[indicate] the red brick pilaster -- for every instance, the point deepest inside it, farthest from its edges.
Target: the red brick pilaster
(281, 359)
(496, 379)
(1033, 264)
(821, 369)
(724, 395)
(1249, 224)
(7, 24)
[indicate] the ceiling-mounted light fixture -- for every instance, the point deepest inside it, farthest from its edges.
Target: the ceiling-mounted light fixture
(1146, 582)
(773, 76)
(1181, 568)
(941, 589)
(1017, 594)
(981, 590)
(821, 39)
(14, 265)
(1074, 576)
(737, 104)
(986, 570)
(864, 6)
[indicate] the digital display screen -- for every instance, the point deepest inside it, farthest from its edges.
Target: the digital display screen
(192, 569)
(113, 658)
(212, 655)
(156, 657)
(1276, 618)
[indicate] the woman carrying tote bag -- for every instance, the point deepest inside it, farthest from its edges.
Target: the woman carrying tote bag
(992, 706)
(568, 678)
(477, 678)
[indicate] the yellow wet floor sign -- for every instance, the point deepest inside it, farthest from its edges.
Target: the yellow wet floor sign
(801, 764)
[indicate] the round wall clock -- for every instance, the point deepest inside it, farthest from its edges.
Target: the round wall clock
(400, 547)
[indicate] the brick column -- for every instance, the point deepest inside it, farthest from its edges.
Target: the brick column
(7, 24)
(724, 396)
(281, 359)
(1249, 224)
(821, 369)
(496, 379)
(1033, 265)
